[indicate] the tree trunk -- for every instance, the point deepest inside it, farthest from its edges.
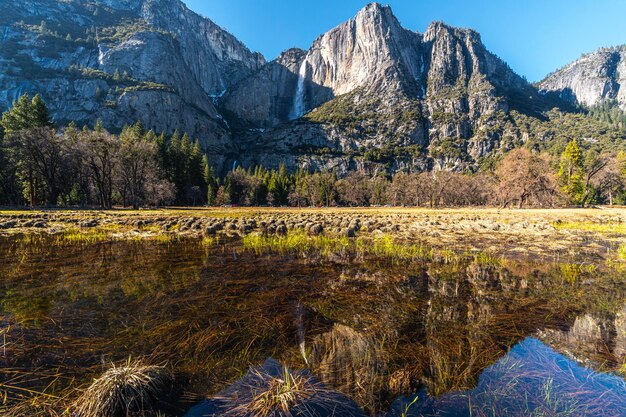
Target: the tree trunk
(31, 190)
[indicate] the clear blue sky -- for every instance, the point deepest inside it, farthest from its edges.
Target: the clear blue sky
(534, 36)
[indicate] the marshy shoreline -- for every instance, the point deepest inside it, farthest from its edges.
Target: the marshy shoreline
(586, 235)
(374, 304)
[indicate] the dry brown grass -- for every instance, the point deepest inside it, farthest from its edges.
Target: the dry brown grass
(126, 390)
(287, 395)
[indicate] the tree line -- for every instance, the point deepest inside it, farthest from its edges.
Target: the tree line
(40, 165)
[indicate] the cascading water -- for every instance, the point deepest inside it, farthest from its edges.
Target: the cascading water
(298, 108)
(298, 314)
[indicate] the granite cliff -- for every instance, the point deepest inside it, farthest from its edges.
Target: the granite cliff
(591, 80)
(368, 94)
(121, 61)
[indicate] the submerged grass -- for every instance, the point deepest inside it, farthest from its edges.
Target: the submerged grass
(209, 241)
(86, 237)
(384, 247)
(78, 236)
(610, 228)
(573, 272)
(301, 244)
(388, 248)
(298, 242)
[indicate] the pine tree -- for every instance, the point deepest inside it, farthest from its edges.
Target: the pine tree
(571, 173)
(195, 174)
(162, 154)
(138, 129)
(26, 114)
(71, 132)
(40, 115)
(210, 180)
(18, 117)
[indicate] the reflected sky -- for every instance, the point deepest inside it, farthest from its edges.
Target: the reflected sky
(465, 336)
(532, 379)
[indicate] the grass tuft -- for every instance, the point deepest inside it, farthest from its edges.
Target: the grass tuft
(286, 395)
(282, 394)
(130, 389)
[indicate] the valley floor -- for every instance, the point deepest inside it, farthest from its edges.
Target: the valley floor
(577, 235)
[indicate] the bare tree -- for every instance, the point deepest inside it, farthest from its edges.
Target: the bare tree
(594, 164)
(355, 189)
(101, 154)
(137, 167)
(441, 187)
(402, 190)
(422, 184)
(525, 178)
(321, 189)
(610, 181)
(160, 192)
(378, 187)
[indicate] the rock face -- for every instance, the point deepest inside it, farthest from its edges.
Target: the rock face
(368, 95)
(369, 89)
(215, 57)
(122, 61)
(593, 340)
(593, 79)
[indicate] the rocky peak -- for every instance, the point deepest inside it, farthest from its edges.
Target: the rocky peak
(375, 15)
(591, 80)
(216, 57)
(367, 50)
(438, 29)
(370, 51)
(291, 56)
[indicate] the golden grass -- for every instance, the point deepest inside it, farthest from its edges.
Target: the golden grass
(384, 247)
(300, 243)
(246, 211)
(129, 389)
(584, 232)
(282, 394)
(611, 228)
(285, 395)
(210, 241)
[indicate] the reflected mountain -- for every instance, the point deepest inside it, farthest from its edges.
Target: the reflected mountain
(368, 331)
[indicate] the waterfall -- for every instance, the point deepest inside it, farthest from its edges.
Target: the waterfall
(298, 108)
(298, 314)
(101, 55)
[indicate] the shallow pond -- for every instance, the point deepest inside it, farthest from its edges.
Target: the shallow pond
(424, 339)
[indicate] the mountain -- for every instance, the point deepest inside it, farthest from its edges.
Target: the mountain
(372, 91)
(368, 94)
(122, 61)
(593, 79)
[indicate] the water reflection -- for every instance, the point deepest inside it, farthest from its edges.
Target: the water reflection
(532, 379)
(595, 340)
(372, 332)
